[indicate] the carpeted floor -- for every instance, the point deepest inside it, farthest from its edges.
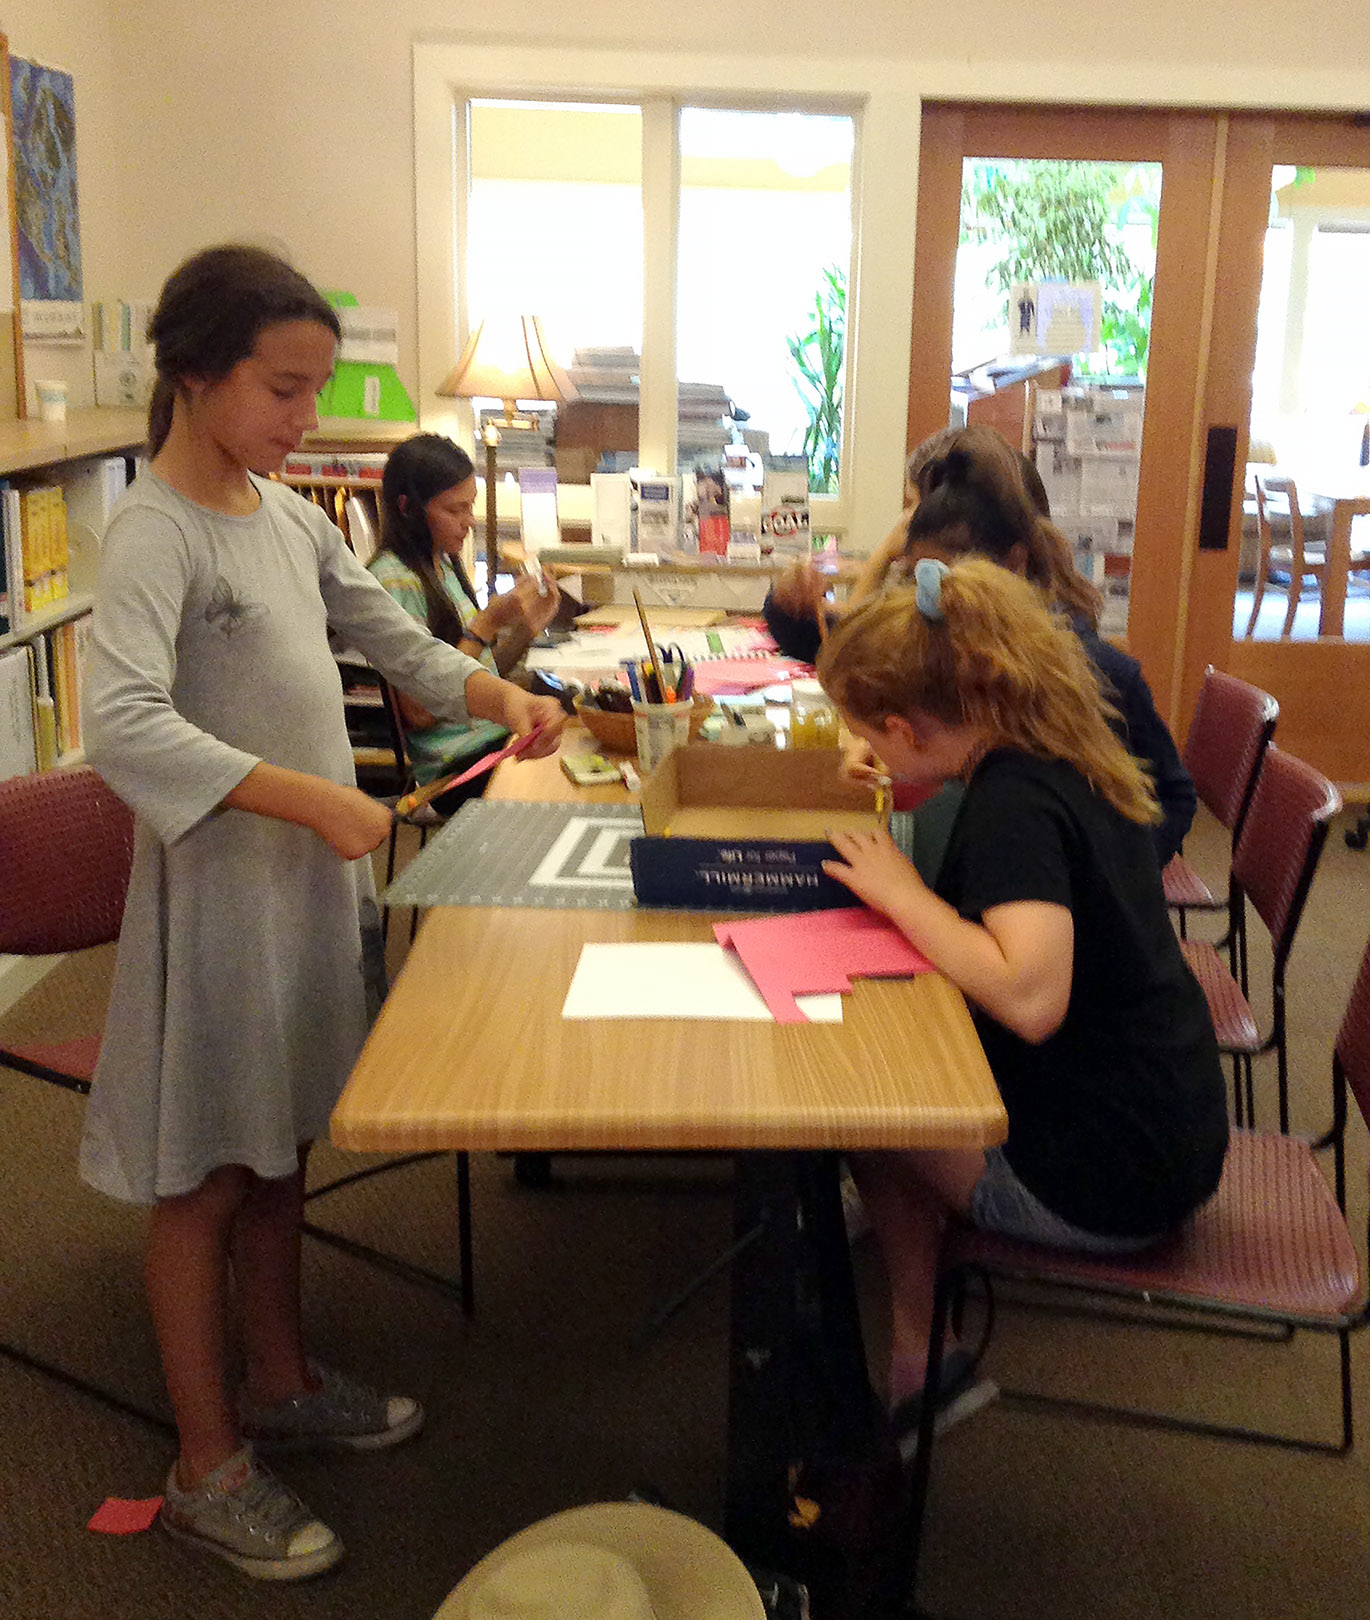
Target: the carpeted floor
(545, 1398)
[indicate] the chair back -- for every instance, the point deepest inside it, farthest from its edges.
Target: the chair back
(1353, 1038)
(1232, 727)
(66, 847)
(1281, 843)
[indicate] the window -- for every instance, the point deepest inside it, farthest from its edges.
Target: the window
(858, 118)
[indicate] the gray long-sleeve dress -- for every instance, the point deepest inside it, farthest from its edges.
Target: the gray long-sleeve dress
(249, 963)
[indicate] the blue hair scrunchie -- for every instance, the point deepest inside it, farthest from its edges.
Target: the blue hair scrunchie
(928, 575)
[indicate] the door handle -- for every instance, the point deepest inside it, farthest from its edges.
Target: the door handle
(1220, 468)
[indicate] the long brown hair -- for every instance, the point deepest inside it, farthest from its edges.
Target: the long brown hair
(998, 659)
(416, 472)
(211, 312)
(984, 496)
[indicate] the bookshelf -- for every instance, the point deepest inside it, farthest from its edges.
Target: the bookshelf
(44, 446)
(45, 450)
(49, 452)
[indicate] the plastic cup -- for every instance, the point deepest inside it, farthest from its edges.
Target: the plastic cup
(52, 401)
(660, 728)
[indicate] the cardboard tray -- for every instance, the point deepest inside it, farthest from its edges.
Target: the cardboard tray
(745, 828)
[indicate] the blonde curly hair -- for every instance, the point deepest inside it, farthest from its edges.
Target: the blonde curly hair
(998, 659)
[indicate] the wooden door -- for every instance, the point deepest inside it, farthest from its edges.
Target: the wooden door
(1322, 683)
(1185, 145)
(1215, 206)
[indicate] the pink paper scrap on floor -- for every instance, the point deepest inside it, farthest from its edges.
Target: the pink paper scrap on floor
(811, 952)
(123, 1516)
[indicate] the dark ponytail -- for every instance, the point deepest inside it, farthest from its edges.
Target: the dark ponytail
(418, 471)
(978, 494)
(211, 313)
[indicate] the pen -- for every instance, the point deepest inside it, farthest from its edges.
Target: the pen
(533, 568)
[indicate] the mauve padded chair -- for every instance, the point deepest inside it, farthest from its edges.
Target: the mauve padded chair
(1270, 1250)
(1272, 866)
(1223, 749)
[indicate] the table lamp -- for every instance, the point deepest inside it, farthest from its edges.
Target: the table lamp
(505, 358)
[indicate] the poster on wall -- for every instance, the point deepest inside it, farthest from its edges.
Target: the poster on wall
(1054, 317)
(43, 118)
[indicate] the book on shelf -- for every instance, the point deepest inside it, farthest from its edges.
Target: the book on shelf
(92, 487)
(18, 749)
(363, 466)
(44, 546)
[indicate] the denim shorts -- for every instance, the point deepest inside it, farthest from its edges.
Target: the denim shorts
(1001, 1203)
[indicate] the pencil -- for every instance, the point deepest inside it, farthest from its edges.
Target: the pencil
(651, 648)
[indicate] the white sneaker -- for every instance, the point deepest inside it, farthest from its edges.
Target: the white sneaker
(248, 1517)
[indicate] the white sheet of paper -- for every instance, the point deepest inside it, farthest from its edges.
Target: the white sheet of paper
(665, 980)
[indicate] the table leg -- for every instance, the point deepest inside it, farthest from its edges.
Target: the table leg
(802, 1418)
(1332, 616)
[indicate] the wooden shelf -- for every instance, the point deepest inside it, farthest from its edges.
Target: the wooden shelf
(70, 607)
(26, 446)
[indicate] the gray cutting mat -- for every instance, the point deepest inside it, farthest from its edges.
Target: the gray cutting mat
(505, 853)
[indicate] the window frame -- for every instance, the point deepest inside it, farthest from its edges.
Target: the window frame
(885, 109)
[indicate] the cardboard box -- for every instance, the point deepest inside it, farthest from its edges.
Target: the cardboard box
(744, 829)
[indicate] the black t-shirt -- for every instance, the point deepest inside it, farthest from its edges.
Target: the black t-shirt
(1118, 1121)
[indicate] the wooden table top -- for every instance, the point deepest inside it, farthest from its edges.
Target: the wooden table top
(471, 1050)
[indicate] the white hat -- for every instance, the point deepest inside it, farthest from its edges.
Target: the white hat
(609, 1561)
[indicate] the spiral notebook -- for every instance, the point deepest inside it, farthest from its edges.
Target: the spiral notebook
(732, 674)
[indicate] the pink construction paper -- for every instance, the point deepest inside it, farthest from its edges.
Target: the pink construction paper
(731, 677)
(814, 952)
(488, 763)
(121, 1516)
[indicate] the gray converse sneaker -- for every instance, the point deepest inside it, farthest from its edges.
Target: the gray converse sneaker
(246, 1515)
(342, 1411)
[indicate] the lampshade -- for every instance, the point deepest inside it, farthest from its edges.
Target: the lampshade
(507, 357)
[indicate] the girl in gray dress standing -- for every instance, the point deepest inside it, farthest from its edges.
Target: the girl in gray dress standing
(249, 963)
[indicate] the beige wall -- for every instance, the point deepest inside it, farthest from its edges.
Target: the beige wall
(290, 120)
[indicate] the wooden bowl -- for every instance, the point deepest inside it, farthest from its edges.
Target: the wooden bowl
(618, 732)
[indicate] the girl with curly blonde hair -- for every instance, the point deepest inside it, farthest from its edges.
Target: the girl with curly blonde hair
(1048, 914)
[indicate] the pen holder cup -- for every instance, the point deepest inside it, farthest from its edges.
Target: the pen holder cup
(618, 732)
(660, 727)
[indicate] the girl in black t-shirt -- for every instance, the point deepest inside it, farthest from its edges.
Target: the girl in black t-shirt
(1049, 915)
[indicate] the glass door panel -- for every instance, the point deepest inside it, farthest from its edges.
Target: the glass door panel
(1290, 379)
(1016, 206)
(1050, 330)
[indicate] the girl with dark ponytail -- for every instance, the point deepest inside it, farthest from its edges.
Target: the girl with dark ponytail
(428, 495)
(249, 961)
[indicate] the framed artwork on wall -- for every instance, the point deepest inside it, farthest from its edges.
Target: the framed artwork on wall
(11, 341)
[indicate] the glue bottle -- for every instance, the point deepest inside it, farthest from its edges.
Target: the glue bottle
(813, 720)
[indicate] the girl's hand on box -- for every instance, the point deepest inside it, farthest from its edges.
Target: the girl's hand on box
(873, 869)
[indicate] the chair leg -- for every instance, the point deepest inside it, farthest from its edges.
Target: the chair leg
(904, 1565)
(1257, 593)
(96, 1392)
(463, 1287)
(467, 1261)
